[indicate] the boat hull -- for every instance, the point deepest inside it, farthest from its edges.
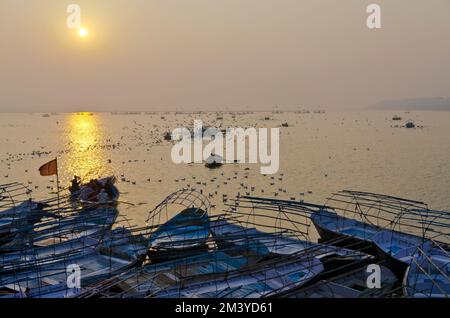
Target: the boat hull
(346, 241)
(397, 267)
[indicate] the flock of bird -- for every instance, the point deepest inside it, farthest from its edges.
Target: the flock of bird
(139, 142)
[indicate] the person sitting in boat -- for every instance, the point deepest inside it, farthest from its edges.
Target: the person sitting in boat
(103, 196)
(109, 188)
(75, 184)
(93, 184)
(95, 187)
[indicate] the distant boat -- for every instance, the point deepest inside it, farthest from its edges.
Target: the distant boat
(168, 136)
(410, 124)
(214, 161)
(396, 117)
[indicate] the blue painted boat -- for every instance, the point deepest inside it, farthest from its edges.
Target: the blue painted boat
(345, 232)
(352, 284)
(155, 277)
(428, 274)
(227, 234)
(396, 248)
(187, 232)
(267, 279)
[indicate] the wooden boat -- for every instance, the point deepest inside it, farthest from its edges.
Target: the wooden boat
(42, 272)
(19, 219)
(187, 232)
(154, 277)
(50, 280)
(55, 238)
(356, 217)
(410, 124)
(285, 262)
(262, 280)
(428, 274)
(86, 196)
(252, 262)
(396, 248)
(345, 232)
(182, 234)
(194, 263)
(227, 234)
(240, 251)
(352, 284)
(168, 136)
(272, 245)
(214, 161)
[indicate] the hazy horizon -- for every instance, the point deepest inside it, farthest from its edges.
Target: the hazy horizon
(220, 55)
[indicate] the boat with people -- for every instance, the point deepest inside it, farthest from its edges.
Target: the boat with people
(95, 192)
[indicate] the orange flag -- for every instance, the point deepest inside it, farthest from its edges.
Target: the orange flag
(49, 169)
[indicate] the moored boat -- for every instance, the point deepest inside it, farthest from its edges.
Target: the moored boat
(187, 232)
(428, 274)
(342, 231)
(352, 284)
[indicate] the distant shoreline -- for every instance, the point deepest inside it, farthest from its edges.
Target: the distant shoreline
(415, 104)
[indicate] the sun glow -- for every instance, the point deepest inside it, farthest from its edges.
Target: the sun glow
(83, 32)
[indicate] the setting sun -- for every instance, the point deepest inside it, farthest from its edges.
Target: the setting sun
(82, 32)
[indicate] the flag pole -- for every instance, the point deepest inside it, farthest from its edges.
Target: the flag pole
(57, 181)
(57, 193)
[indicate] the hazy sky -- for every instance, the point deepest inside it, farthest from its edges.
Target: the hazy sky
(219, 54)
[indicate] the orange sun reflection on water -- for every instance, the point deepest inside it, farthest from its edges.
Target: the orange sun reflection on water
(85, 155)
